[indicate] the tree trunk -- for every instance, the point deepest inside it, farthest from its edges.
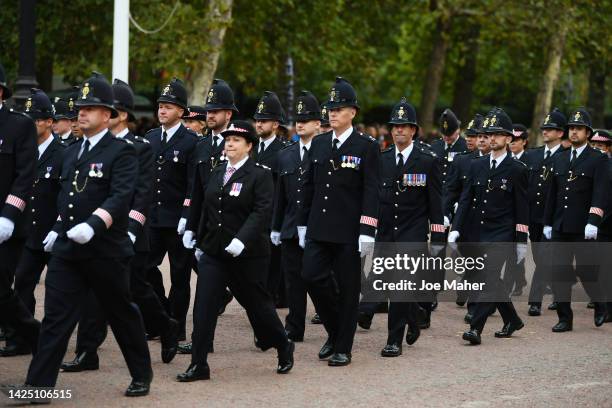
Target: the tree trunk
(547, 83)
(466, 75)
(433, 78)
(44, 73)
(597, 93)
(219, 18)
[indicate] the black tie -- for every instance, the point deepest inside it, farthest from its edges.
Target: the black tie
(304, 153)
(574, 155)
(400, 162)
(85, 148)
(547, 156)
(215, 141)
(164, 138)
(493, 163)
(335, 146)
(262, 147)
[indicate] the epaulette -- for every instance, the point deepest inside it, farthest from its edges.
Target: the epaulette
(191, 132)
(263, 166)
(423, 143)
(141, 139)
(151, 130)
(19, 113)
(288, 144)
(368, 136)
(388, 149)
(521, 162)
(427, 151)
(123, 139)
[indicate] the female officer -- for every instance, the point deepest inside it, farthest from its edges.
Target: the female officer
(235, 252)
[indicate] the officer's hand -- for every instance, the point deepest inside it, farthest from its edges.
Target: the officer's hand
(49, 241)
(275, 238)
(235, 247)
(521, 251)
(453, 236)
(366, 244)
(198, 254)
(547, 231)
(446, 222)
(181, 226)
(81, 233)
(188, 241)
(6, 229)
(132, 237)
(590, 231)
(302, 235)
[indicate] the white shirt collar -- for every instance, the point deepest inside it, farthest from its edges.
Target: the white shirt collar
(497, 160)
(65, 135)
(220, 139)
(405, 153)
(342, 138)
(93, 140)
(552, 150)
(237, 165)
(302, 145)
(578, 150)
(43, 146)
(122, 134)
(266, 142)
(171, 131)
(518, 156)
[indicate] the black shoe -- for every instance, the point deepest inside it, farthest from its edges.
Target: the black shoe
(296, 338)
(169, 341)
(364, 320)
(13, 349)
(425, 322)
(534, 310)
(460, 301)
(138, 388)
(553, 306)
(285, 359)
(434, 305)
(412, 334)
(327, 350)
(591, 305)
(195, 372)
(600, 317)
(510, 328)
(472, 336)
(184, 348)
(391, 350)
(339, 360)
(316, 319)
(562, 326)
(468, 318)
(84, 361)
(226, 301)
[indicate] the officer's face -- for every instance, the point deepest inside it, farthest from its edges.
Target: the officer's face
(403, 134)
(61, 126)
(76, 130)
(217, 120)
(115, 122)
(471, 142)
(307, 129)
(265, 128)
(237, 148)
(43, 126)
(517, 145)
(601, 146)
(169, 114)
(499, 141)
(341, 118)
(93, 119)
(195, 125)
(451, 139)
(578, 135)
(551, 135)
(483, 143)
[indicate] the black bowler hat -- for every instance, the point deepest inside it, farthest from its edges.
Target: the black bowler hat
(124, 98)
(195, 112)
(602, 136)
(497, 121)
(474, 128)
(38, 105)
(97, 91)
(519, 131)
(448, 122)
(307, 107)
(241, 128)
(7, 93)
(580, 117)
(269, 108)
(403, 113)
(324, 115)
(554, 120)
(220, 97)
(342, 94)
(174, 93)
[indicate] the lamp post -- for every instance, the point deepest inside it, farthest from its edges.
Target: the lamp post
(26, 77)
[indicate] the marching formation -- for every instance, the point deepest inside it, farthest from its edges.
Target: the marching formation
(270, 222)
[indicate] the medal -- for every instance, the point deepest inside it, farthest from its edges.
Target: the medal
(343, 159)
(503, 186)
(176, 153)
(48, 173)
(99, 170)
(235, 191)
(92, 172)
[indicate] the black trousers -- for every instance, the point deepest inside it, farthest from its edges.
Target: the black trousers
(167, 240)
(67, 285)
(565, 274)
(246, 278)
(92, 329)
(292, 255)
(338, 310)
(27, 276)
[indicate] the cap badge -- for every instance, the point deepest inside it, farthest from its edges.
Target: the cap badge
(211, 95)
(547, 119)
(577, 116)
(300, 107)
(261, 107)
(471, 124)
(85, 91)
(400, 112)
(445, 125)
(28, 104)
(166, 90)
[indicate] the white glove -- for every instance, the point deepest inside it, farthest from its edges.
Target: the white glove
(188, 241)
(521, 251)
(81, 233)
(132, 237)
(275, 238)
(436, 249)
(446, 222)
(302, 236)
(181, 226)
(6, 229)
(49, 241)
(547, 231)
(366, 244)
(590, 231)
(198, 254)
(235, 247)
(453, 236)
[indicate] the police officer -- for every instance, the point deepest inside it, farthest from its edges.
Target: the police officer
(324, 119)
(90, 243)
(65, 112)
(601, 140)
(410, 208)
(451, 143)
(339, 215)
(519, 141)
(195, 119)
(493, 209)
(18, 167)
(41, 211)
(287, 201)
(539, 163)
(174, 151)
(573, 212)
(233, 237)
(92, 326)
